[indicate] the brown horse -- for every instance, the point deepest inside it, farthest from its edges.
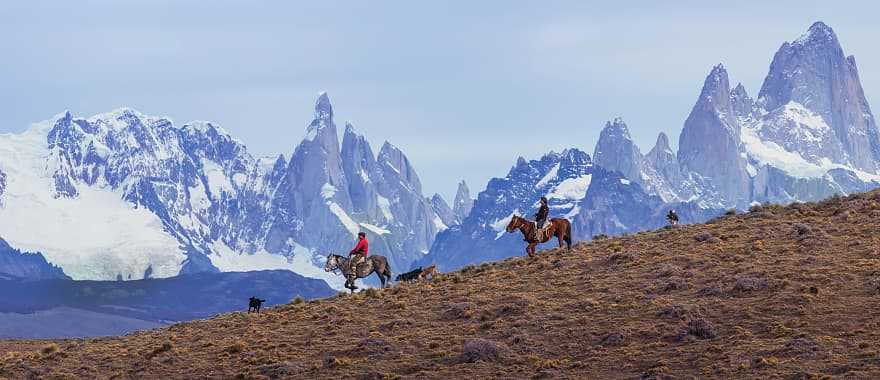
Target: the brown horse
(559, 227)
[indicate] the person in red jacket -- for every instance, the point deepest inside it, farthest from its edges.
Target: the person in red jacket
(357, 256)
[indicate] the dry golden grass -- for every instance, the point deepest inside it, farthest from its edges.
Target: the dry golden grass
(775, 293)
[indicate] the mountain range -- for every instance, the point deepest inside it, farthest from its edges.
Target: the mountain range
(123, 195)
(129, 196)
(808, 135)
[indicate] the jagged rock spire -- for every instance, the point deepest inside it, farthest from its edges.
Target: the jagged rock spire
(813, 72)
(743, 105)
(463, 201)
(616, 150)
(323, 109)
(394, 160)
(359, 165)
(710, 143)
(443, 211)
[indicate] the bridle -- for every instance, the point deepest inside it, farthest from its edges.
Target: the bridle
(336, 265)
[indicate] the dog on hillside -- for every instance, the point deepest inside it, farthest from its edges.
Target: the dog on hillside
(255, 304)
(429, 271)
(409, 276)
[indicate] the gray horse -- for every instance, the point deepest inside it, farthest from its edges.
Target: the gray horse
(373, 264)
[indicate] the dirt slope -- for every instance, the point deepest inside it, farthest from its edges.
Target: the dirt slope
(776, 293)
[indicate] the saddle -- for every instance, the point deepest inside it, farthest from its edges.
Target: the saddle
(541, 233)
(365, 267)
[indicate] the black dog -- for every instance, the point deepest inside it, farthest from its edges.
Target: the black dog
(409, 276)
(255, 304)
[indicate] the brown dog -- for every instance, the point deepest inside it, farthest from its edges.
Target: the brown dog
(429, 271)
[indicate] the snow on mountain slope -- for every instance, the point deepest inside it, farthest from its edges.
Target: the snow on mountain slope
(97, 236)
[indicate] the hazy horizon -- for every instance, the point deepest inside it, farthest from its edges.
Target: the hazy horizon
(463, 89)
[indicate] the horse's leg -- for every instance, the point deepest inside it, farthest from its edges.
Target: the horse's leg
(531, 249)
(559, 237)
(381, 278)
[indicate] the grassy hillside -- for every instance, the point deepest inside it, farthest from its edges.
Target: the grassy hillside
(775, 293)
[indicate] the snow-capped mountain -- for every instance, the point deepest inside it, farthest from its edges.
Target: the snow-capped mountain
(130, 195)
(809, 135)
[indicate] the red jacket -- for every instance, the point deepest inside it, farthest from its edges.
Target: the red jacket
(362, 248)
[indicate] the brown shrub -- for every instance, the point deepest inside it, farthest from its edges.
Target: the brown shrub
(165, 347)
(282, 370)
(672, 284)
(799, 348)
(874, 285)
(656, 373)
(331, 362)
(711, 290)
(623, 258)
(761, 215)
(462, 310)
(682, 312)
(372, 293)
(750, 284)
(235, 348)
(803, 229)
(700, 328)
(706, 237)
(518, 339)
(50, 349)
(370, 347)
(476, 350)
(612, 339)
(468, 269)
(667, 270)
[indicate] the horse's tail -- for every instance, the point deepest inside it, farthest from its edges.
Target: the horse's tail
(568, 234)
(386, 268)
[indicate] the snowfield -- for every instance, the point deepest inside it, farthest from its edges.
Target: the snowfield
(96, 236)
(572, 189)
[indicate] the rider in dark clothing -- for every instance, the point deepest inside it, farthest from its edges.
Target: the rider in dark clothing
(543, 212)
(672, 217)
(541, 216)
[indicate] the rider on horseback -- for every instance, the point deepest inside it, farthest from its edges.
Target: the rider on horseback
(672, 217)
(541, 217)
(357, 256)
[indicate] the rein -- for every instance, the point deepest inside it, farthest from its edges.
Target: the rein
(523, 227)
(336, 265)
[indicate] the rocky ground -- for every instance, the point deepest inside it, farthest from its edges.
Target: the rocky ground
(774, 293)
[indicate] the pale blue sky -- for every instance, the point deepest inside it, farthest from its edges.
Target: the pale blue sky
(462, 87)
